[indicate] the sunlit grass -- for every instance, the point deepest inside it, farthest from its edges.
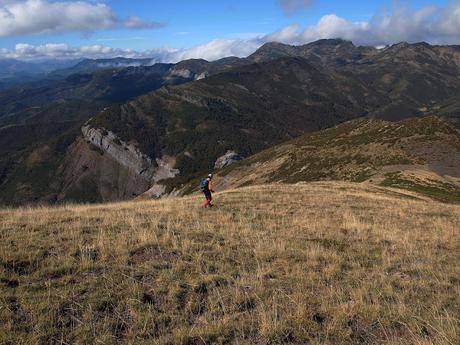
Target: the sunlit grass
(320, 263)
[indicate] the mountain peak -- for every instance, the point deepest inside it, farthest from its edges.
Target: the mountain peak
(331, 42)
(270, 46)
(273, 50)
(400, 45)
(274, 44)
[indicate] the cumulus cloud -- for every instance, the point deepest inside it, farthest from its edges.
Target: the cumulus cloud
(61, 51)
(289, 35)
(290, 6)
(433, 24)
(45, 16)
(332, 26)
(212, 50)
(217, 49)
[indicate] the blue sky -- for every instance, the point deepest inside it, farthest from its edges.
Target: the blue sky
(123, 26)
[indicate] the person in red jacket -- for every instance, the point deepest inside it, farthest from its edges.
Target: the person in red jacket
(208, 192)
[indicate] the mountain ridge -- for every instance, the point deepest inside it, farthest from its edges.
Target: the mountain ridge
(421, 154)
(247, 105)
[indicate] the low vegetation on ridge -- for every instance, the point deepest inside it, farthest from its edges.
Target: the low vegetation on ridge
(424, 153)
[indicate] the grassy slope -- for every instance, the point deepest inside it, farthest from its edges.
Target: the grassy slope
(323, 263)
(361, 150)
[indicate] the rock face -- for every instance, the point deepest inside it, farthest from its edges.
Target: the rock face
(187, 74)
(227, 159)
(183, 73)
(125, 154)
(106, 168)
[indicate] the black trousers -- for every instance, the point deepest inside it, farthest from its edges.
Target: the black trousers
(208, 196)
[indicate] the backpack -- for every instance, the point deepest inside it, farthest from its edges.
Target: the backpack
(204, 183)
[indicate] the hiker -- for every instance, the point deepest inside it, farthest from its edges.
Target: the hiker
(206, 188)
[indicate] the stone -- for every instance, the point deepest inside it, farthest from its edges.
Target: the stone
(227, 159)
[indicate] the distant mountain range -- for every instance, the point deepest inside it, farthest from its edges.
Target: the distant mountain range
(13, 72)
(93, 65)
(115, 133)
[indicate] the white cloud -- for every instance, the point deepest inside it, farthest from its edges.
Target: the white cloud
(217, 49)
(62, 51)
(212, 50)
(432, 24)
(332, 26)
(41, 16)
(289, 35)
(45, 16)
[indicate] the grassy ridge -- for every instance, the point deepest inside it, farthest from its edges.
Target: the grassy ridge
(319, 263)
(423, 152)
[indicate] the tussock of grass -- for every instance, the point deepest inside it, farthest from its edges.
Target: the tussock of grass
(320, 263)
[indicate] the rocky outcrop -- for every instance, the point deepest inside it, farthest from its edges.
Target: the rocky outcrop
(187, 74)
(128, 155)
(110, 169)
(227, 159)
(125, 154)
(183, 73)
(201, 76)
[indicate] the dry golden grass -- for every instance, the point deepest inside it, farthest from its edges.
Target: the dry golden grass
(320, 263)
